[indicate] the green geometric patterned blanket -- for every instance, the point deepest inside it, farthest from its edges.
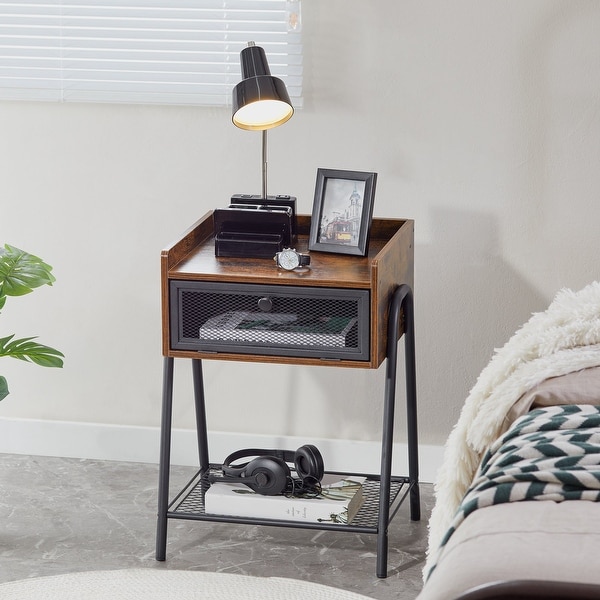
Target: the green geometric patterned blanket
(549, 454)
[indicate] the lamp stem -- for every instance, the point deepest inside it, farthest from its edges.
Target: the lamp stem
(264, 164)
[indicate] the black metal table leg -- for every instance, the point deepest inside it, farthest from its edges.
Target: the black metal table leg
(401, 299)
(200, 405)
(165, 459)
(411, 407)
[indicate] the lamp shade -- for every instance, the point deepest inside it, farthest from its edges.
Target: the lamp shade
(260, 101)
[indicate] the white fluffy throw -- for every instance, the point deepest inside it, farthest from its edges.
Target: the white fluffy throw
(563, 339)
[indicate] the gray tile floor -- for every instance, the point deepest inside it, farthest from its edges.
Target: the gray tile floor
(60, 515)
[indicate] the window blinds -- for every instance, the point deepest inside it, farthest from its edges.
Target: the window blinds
(143, 51)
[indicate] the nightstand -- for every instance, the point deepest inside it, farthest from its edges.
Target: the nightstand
(372, 295)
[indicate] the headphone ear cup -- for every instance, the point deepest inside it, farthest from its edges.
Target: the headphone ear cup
(309, 462)
(270, 474)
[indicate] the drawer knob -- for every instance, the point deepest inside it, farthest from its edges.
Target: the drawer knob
(265, 304)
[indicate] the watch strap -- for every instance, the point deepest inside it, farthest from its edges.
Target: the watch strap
(304, 259)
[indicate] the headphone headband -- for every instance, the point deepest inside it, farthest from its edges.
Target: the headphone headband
(287, 456)
(268, 472)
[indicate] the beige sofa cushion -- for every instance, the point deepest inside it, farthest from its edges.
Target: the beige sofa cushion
(520, 540)
(579, 387)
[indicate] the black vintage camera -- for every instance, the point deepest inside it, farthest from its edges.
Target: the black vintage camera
(252, 230)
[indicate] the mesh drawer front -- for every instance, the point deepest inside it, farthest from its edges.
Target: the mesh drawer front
(273, 320)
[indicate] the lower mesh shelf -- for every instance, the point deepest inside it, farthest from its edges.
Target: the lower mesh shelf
(190, 504)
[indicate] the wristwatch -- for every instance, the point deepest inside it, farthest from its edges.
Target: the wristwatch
(289, 259)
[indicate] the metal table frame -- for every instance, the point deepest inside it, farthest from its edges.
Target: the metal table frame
(401, 319)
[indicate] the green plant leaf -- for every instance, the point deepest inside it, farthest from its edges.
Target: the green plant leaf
(21, 272)
(29, 351)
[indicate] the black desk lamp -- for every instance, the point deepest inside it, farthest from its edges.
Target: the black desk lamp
(260, 101)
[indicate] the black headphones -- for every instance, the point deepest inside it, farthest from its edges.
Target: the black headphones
(269, 474)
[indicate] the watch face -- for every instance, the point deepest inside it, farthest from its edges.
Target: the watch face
(288, 259)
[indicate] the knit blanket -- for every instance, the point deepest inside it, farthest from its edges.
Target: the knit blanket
(563, 339)
(549, 454)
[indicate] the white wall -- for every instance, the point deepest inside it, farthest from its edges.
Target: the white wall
(482, 120)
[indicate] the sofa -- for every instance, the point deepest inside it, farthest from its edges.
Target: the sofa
(517, 511)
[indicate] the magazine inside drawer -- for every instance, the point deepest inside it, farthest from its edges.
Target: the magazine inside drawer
(273, 320)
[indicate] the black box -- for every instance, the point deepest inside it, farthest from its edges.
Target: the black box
(282, 200)
(251, 230)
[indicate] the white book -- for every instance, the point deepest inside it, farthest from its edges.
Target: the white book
(339, 501)
(281, 328)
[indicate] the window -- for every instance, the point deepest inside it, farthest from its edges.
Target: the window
(143, 51)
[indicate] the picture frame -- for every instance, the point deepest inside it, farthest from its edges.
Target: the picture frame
(342, 211)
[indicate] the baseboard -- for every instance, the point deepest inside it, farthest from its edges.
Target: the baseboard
(141, 444)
